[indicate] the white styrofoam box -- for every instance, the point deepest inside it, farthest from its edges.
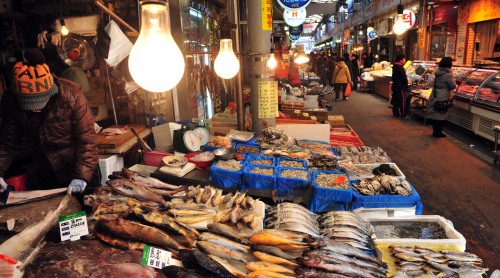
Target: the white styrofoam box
(319, 132)
(144, 170)
(164, 134)
(369, 168)
(310, 104)
(385, 212)
(454, 238)
(108, 165)
(311, 97)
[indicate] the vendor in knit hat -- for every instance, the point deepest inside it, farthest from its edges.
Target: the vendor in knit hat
(52, 113)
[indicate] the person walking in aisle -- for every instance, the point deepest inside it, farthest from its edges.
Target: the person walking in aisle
(399, 86)
(355, 71)
(330, 67)
(341, 76)
(444, 83)
(321, 68)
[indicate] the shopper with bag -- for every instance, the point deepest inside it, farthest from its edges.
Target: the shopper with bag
(440, 98)
(399, 86)
(341, 78)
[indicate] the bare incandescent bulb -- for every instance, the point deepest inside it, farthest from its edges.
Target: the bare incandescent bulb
(226, 64)
(156, 63)
(64, 29)
(271, 63)
(399, 25)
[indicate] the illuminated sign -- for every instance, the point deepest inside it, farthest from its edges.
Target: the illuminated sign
(293, 4)
(295, 18)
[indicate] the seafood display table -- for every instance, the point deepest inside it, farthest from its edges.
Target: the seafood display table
(195, 177)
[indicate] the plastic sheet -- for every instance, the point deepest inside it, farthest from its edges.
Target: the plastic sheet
(328, 199)
(223, 178)
(387, 201)
(257, 181)
(291, 187)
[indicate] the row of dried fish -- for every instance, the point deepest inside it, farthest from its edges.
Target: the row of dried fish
(238, 210)
(363, 155)
(383, 184)
(292, 217)
(349, 228)
(418, 261)
(330, 258)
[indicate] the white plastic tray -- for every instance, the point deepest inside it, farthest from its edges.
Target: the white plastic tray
(455, 239)
(369, 168)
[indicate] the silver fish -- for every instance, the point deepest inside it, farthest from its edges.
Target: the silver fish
(224, 242)
(216, 250)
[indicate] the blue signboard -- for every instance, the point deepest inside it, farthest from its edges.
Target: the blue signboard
(294, 38)
(372, 35)
(296, 30)
(293, 5)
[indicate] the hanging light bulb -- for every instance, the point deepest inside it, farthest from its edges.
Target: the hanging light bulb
(226, 64)
(399, 25)
(64, 29)
(301, 56)
(271, 63)
(156, 63)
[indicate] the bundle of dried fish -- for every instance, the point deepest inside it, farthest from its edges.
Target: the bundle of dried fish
(413, 261)
(323, 162)
(336, 257)
(383, 184)
(238, 209)
(292, 217)
(338, 181)
(349, 228)
(284, 240)
(363, 155)
(230, 165)
(208, 196)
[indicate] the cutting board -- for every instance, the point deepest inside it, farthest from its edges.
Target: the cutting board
(115, 141)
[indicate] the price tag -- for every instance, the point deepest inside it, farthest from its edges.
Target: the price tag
(73, 226)
(158, 258)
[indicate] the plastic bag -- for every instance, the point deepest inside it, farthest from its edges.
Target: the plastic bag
(120, 46)
(347, 89)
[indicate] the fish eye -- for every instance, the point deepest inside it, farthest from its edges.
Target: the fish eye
(306, 257)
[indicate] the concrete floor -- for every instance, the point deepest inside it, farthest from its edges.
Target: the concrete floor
(454, 176)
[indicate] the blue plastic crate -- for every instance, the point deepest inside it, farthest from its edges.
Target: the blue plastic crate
(291, 187)
(225, 179)
(251, 157)
(257, 181)
(326, 199)
(284, 158)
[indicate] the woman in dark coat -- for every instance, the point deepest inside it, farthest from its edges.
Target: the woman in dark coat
(355, 71)
(399, 86)
(444, 83)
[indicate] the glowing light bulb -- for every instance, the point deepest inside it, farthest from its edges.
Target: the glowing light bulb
(156, 63)
(64, 29)
(301, 57)
(271, 63)
(399, 25)
(226, 64)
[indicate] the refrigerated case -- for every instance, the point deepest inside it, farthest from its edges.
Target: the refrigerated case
(419, 72)
(485, 107)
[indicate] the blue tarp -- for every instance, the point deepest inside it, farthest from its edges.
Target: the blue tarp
(327, 199)
(388, 201)
(257, 181)
(289, 187)
(223, 178)
(284, 158)
(251, 157)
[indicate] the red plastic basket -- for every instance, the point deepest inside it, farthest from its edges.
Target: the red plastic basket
(347, 141)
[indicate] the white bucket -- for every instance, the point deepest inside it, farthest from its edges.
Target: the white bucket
(311, 97)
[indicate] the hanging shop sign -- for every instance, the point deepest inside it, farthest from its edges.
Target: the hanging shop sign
(346, 34)
(294, 38)
(484, 10)
(294, 4)
(409, 18)
(295, 18)
(267, 15)
(421, 37)
(371, 33)
(382, 28)
(296, 30)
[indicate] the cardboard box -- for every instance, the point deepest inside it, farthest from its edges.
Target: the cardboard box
(320, 132)
(164, 134)
(336, 120)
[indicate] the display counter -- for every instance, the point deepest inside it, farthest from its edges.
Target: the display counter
(382, 85)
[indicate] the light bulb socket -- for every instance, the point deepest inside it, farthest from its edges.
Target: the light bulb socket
(401, 9)
(61, 20)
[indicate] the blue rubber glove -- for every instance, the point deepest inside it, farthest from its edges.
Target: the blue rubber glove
(3, 185)
(76, 186)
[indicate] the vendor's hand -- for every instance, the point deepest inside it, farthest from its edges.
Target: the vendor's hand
(76, 186)
(42, 39)
(3, 185)
(56, 38)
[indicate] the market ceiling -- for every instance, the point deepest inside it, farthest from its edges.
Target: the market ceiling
(317, 8)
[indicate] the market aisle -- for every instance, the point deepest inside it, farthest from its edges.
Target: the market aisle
(451, 181)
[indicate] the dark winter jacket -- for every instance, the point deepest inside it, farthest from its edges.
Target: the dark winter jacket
(443, 84)
(399, 78)
(66, 138)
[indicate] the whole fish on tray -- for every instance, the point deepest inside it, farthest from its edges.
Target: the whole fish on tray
(275, 237)
(224, 242)
(273, 251)
(227, 231)
(202, 262)
(222, 252)
(361, 263)
(129, 189)
(345, 249)
(147, 181)
(173, 271)
(343, 269)
(306, 272)
(138, 232)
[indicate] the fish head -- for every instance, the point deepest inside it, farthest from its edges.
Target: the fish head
(310, 261)
(112, 183)
(313, 242)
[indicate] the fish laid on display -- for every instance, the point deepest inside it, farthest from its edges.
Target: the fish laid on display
(272, 250)
(272, 259)
(129, 189)
(93, 200)
(272, 238)
(219, 251)
(102, 209)
(199, 260)
(137, 232)
(193, 219)
(21, 245)
(224, 242)
(190, 212)
(168, 193)
(151, 182)
(229, 267)
(339, 247)
(267, 266)
(217, 198)
(332, 260)
(173, 271)
(358, 262)
(306, 272)
(227, 231)
(158, 218)
(266, 274)
(292, 225)
(121, 243)
(344, 269)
